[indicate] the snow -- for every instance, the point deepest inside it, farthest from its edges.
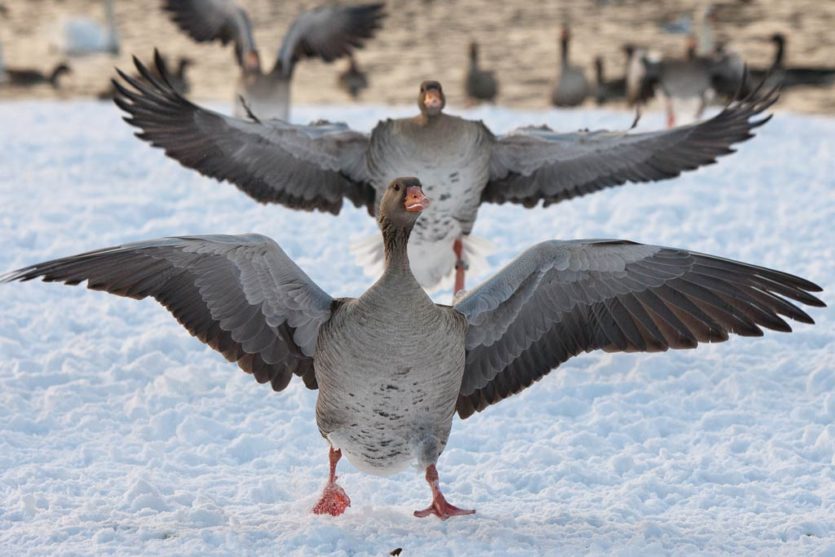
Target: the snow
(120, 434)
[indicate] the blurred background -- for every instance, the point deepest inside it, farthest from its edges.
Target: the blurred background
(423, 39)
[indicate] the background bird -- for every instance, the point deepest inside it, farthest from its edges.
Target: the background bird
(318, 166)
(479, 84)
(326, 32)
(82, 36)
(571, 87)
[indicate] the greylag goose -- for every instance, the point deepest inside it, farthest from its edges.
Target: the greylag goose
(84, 36)
(327, 32)
(795, 76)
(317, 166)
(392, 367)
(681, 80)
(480, 85)
(571, 87)
(605, 91)
(26, 77)
(353, 80)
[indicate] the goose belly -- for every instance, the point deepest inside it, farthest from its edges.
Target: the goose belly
(266, 97)
(387, 400)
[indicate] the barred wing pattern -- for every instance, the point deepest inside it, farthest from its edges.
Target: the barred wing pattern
(559, 299)
(536, 164)
(241, 295)
(310, 167)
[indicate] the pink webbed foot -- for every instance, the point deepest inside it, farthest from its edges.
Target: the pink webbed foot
(334, 501)
(440, 507)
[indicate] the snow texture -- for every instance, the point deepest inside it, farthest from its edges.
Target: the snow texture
(120, 434)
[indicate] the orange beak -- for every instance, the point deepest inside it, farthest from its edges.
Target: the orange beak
(252, 62)
(415, 201)
(432, 99)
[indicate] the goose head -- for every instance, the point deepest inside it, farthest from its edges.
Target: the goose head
(251, 62)
(402, 202)
(778, 38)
(431, 99)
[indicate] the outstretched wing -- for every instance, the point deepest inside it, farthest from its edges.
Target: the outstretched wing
(328, 32)
(302, 167)
(241, 295)
(538, 164)
(214, 20)
(559, 299)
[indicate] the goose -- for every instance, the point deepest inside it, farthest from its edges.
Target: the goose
(795, 76)
(682, 80)
(391, 366)
(327, 32)
(479, 85)
(353, 80)
(605, 91)
(318, 166)
(571, 88)
(84, 36)
(27, 77)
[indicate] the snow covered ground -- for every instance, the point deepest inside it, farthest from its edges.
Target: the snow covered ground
(121, 434)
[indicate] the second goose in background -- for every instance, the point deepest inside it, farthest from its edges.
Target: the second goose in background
(327, 32)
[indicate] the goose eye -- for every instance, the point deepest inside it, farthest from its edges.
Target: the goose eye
(396, 187)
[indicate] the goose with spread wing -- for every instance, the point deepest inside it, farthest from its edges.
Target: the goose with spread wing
(461, 163)
(327, 32)
(392, 367)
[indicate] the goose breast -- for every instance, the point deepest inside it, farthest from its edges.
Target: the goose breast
(267, 96)
(389, 380)
(452, 158)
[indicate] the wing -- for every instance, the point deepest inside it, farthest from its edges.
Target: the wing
(559, 299)
(302, 167)
(328, 32)
(214, 20)
(533, 164)
(241, 295)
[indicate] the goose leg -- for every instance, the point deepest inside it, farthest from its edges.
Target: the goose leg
(460, 266)
(671, 113)
(439, 507)
(701, 108)
(334, 500)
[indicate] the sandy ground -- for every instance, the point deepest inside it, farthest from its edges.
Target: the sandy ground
(427, 39)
